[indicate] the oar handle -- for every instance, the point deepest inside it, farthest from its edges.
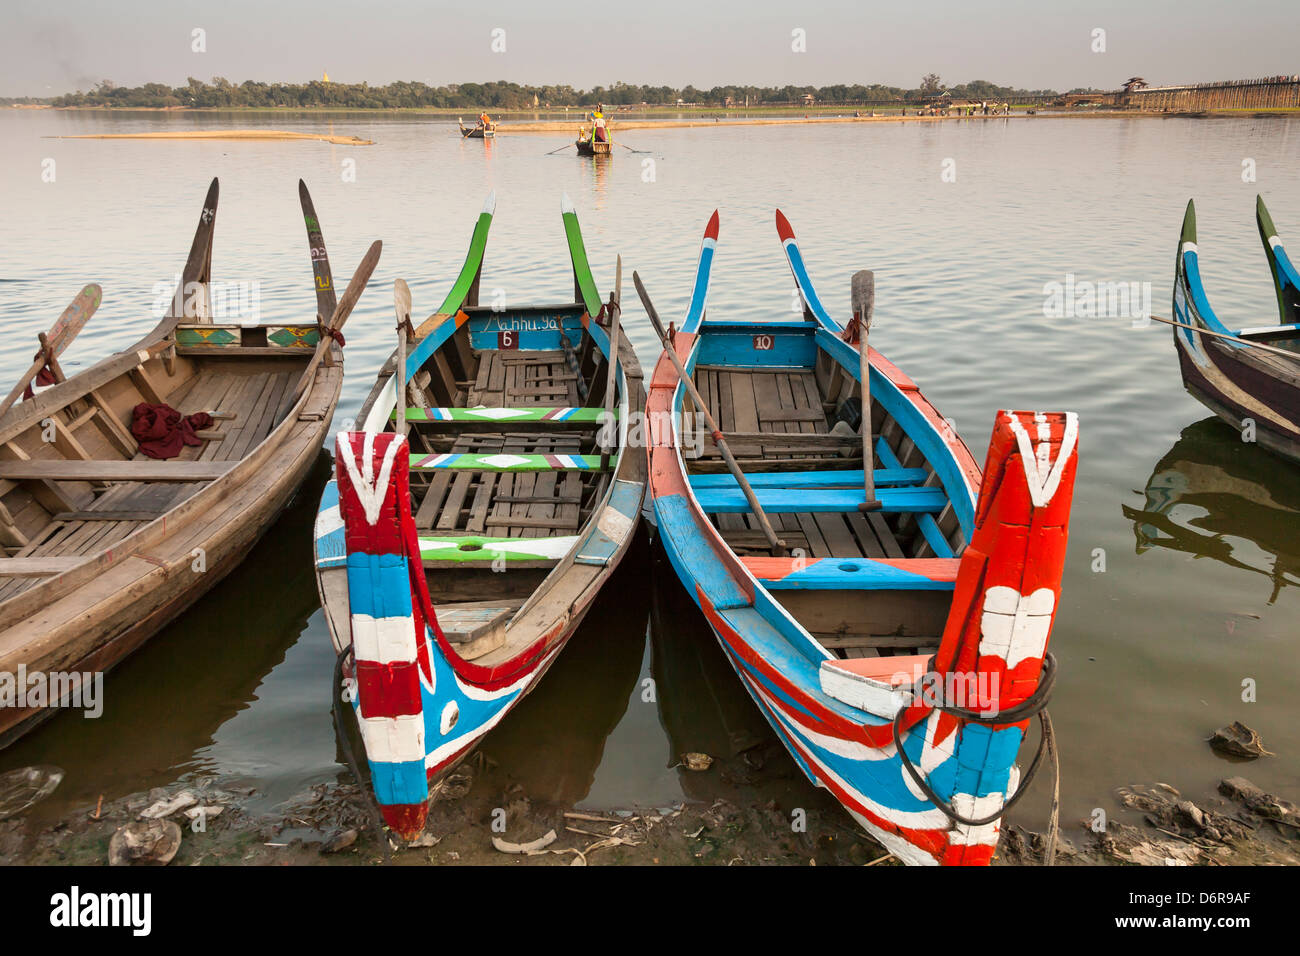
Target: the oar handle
(863, 298)
(777, 545)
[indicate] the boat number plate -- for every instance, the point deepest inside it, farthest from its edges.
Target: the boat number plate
(763, 343)
(508, 339)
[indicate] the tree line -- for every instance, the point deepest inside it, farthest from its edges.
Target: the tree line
(221, 93)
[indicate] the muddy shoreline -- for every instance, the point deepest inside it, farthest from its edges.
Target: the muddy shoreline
(478, 815)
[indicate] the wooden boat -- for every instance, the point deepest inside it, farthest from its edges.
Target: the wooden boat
(860, 629)
(1212, 496)
(587, 147)
(459, 570)
(1245, 376)
(478, 131)
(103, 544)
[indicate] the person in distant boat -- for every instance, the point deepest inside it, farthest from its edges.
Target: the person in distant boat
(484, 120)
(598, 131)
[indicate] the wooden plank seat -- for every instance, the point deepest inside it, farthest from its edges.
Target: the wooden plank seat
(884, 477)
(814, 500)
(476, 628)
(496, 417)
(895, 574)
(146, 469)
(507, 461)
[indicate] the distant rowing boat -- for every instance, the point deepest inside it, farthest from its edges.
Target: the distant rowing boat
(479, 131)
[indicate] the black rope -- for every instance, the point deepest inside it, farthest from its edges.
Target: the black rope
(1034, 705)
(375, 817)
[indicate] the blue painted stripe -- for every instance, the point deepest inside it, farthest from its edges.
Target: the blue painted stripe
(700, 293)
(814, 479)
(677, 524)
(379, 585)
(804, 282)
(399, 783)
(800, 500)
(1200, 304)
(736, 349)
(934, 536)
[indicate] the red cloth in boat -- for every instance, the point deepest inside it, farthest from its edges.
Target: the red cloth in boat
(162, 431)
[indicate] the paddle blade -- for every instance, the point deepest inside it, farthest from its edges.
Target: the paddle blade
(357, 285)
(74, 318)
(864, 297)
(326, 297)
(402, 301)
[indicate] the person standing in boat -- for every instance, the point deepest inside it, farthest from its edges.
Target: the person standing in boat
(598, 131)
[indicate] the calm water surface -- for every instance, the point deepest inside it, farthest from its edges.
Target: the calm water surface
(1198, 531)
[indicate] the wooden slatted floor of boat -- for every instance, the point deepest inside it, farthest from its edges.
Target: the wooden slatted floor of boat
(247, 404)
(504, 504)
(784, 402)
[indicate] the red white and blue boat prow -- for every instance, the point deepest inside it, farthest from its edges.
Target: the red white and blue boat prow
(957, 576)
(457, 575)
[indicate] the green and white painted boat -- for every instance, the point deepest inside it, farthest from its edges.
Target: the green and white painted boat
(491, 461)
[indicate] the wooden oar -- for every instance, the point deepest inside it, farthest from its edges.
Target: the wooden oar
(58, 338)
(1294, 356)
(778, 547)
(864, 303)
(341, 313)
(402, 303)
(611, 380)
(565, 146)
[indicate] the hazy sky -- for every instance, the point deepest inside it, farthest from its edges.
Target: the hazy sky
(54, 47)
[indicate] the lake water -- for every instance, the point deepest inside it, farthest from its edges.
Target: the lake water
(964, 222)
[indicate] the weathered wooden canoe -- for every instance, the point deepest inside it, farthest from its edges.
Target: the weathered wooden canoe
(478, 132)
(103, 545)
(872, 626)
(1255, 390)
(455, 562)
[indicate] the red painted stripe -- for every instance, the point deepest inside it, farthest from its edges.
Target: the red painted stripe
(783, 227)
(711, 230)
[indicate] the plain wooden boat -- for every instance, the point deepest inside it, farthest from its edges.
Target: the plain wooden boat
(1254, 389)
(477, 132)
(840, 641)
(104, 545)
(455, 563)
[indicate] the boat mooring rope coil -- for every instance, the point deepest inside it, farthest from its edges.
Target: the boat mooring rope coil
(1034, 705)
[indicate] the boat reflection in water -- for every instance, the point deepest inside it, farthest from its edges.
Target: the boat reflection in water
(552, 743)
(705, 709)
(1214, 496)
(200, 698)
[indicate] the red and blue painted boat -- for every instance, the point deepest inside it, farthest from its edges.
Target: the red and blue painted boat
(899, 653)
(464, 540)
(1249, 377)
